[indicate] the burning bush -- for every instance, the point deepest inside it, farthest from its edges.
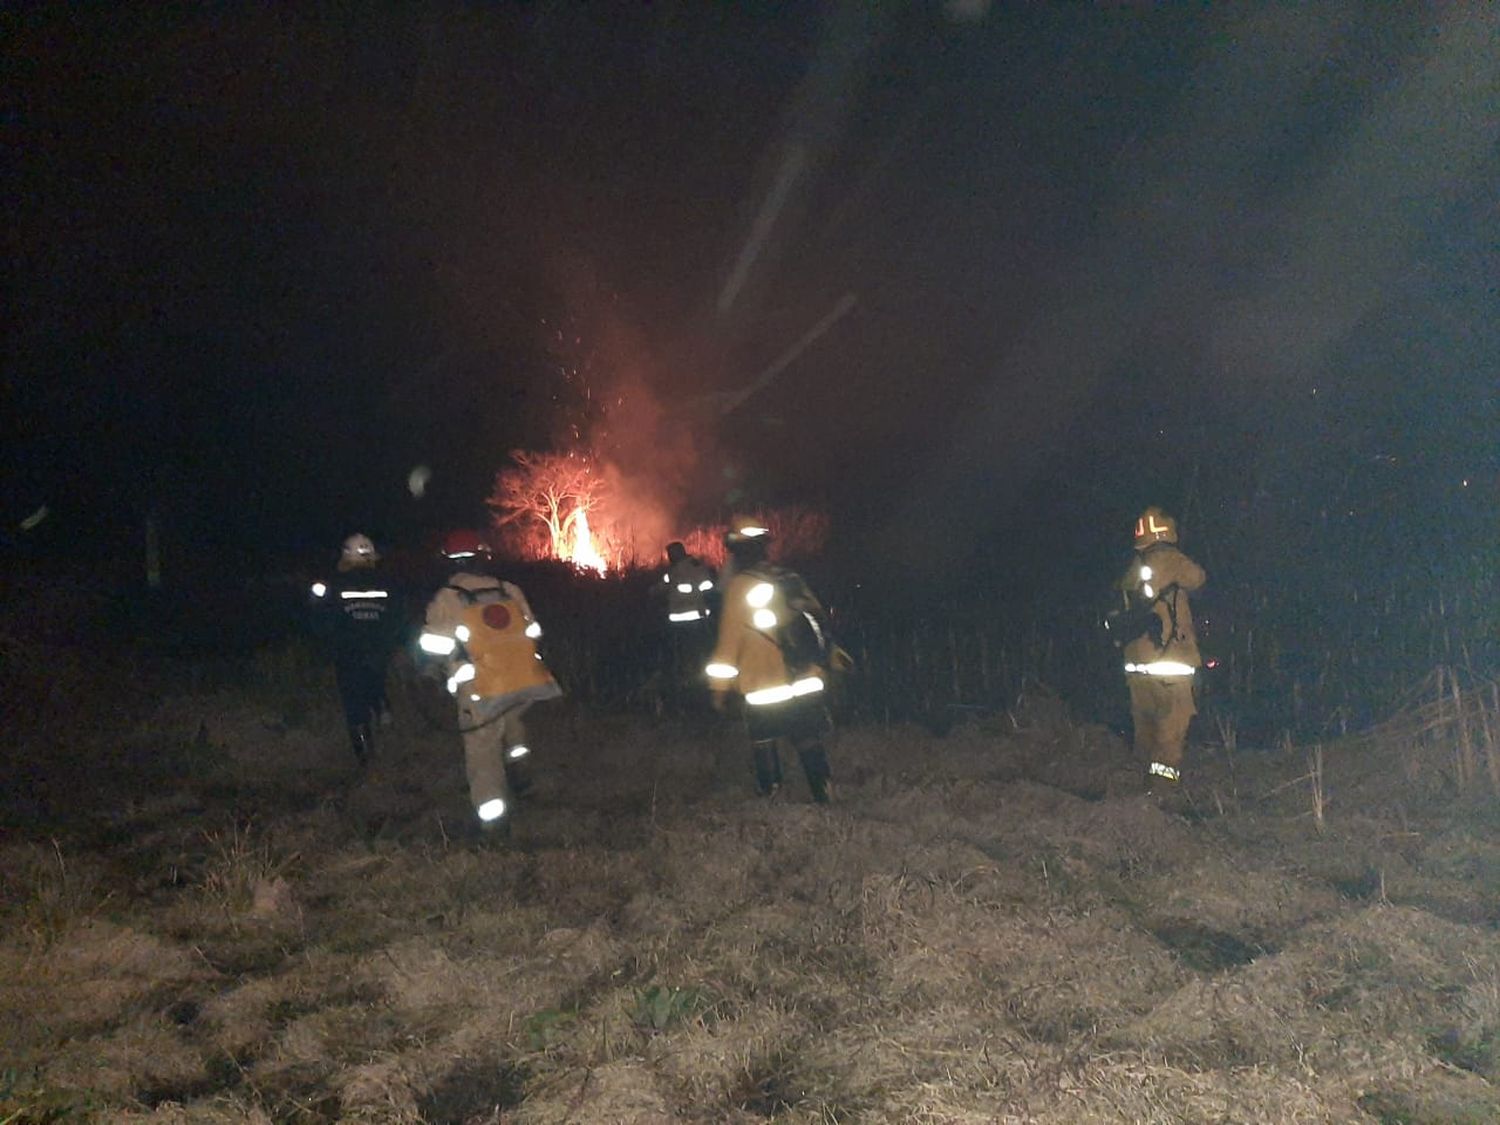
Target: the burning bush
(576, 508)
(542, 505)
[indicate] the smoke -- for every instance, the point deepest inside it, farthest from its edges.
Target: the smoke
(617, 407)
(650, 458)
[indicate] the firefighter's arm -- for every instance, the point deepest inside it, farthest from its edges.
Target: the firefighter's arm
(723, 666)
(438, 639)
(839, 659)
(319, 615)
(1186, 573)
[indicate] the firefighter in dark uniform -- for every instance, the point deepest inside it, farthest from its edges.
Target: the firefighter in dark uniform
(687, 585)
(775, 650)
(359, 618)
(483, 630)
(1162, 659)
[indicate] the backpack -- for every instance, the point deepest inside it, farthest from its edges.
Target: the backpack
(1138, 617)
(804, 637)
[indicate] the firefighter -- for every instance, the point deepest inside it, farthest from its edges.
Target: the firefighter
(774, 649)
(687, 584)
(1162, 658)
(483, 630)
(360, 620)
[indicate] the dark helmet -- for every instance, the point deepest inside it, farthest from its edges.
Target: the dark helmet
(747, 539)
(676, 552)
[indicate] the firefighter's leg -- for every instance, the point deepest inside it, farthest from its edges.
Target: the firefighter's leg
(671, 688)
(484, 762)
(767, 765)
(382, 697)
(517, 750)
(815, 765)
(354, 697)
(1176, 711)
(1145, 710)
(806, 725)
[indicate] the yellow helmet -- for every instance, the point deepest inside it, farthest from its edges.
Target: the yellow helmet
(1154, 526)
(745, 529)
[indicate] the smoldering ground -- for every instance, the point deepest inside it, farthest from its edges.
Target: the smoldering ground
(208, 917)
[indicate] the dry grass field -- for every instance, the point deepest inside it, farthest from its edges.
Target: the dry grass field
(208, 918)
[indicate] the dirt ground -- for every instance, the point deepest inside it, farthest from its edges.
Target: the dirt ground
(208, 917)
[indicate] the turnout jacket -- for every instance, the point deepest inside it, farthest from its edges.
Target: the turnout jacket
(765, 609)
(688, 582)
(1170, 576)
(357, 615)
(492, 628)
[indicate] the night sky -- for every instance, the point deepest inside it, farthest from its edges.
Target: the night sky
(262, 261)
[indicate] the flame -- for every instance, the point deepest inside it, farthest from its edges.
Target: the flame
(584, 554)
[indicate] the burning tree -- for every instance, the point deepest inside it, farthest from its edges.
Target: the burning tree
(551, 492)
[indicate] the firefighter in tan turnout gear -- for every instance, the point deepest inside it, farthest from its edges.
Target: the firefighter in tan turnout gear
(484, 631)
(774, 649)
(1160, 645)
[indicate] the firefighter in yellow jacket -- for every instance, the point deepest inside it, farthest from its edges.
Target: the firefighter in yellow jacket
(774, 649)
(1162, 658)
(484, 630)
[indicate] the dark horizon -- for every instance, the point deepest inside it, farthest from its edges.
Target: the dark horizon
(1240, 264)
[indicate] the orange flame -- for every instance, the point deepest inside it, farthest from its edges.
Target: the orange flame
(583, 553)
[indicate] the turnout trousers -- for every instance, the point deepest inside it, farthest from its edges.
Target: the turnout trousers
(802, 723)
(492, 733)
(361, 684)
(1160, 709)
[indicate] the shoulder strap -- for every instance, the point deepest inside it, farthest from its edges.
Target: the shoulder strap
(471, 596)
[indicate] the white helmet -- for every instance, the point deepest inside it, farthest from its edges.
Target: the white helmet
(359, 551)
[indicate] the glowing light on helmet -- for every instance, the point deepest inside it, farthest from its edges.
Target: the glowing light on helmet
(359, 548)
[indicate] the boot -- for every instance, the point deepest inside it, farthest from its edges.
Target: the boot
(815, 766)
(767, 767)
(517, 774)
